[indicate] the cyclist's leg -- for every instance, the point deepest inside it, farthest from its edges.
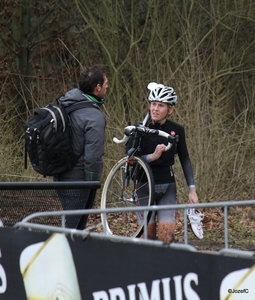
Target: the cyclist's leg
(151, 227)
(166, 231)
(141, 200)
(166, 218)
(165, 194)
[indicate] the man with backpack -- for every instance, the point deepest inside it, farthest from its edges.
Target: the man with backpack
(87, 137)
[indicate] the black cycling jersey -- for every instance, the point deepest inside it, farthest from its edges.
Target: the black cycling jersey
(162, 168)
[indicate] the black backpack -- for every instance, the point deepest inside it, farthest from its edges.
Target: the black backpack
(48, 138)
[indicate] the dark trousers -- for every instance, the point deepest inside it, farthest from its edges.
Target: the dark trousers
(71, 200)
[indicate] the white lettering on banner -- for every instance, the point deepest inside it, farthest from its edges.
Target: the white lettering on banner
(102, 295)
(178, 287)
(188, 291)
(166, 288)
(3, 278)
(155, 292)
(118, 293)
(131, 291)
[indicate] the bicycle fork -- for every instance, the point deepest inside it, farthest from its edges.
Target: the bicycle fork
(130, 175)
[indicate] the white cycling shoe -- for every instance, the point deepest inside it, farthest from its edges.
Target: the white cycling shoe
(195, 218)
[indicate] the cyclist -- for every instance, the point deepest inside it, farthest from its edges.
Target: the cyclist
(162, 103)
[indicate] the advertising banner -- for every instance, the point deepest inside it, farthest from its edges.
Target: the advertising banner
(40, 266)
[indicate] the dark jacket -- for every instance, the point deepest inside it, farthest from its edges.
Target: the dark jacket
(88, 134)
(162, 168)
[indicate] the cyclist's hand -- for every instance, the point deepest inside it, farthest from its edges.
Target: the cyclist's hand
(157, 152)
(193, 198)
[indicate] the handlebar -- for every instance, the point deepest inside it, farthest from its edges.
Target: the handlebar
(146, 130)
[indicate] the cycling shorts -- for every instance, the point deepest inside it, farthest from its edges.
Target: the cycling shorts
(165, 194)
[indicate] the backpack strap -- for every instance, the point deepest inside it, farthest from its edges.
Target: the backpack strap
(81, 104)
(25, 157)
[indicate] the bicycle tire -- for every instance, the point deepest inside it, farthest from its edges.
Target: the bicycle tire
(121, 191)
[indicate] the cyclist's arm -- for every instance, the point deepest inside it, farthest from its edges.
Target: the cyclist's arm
(156, 154)
(188, 173)
(193, 198)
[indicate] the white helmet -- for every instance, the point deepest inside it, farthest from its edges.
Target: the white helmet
(162, 93)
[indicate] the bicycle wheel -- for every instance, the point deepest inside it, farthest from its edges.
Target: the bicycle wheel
(130, 183)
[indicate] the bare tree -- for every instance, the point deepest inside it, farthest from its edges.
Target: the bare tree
(204, 49)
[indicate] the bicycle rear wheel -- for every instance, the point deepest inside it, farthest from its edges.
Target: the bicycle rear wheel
(130, 183)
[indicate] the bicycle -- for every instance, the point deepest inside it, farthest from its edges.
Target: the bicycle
(130, 183)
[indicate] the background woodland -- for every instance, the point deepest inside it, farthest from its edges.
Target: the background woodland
(204, 49)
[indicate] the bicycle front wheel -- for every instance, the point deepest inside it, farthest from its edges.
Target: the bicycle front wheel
(129, 184)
